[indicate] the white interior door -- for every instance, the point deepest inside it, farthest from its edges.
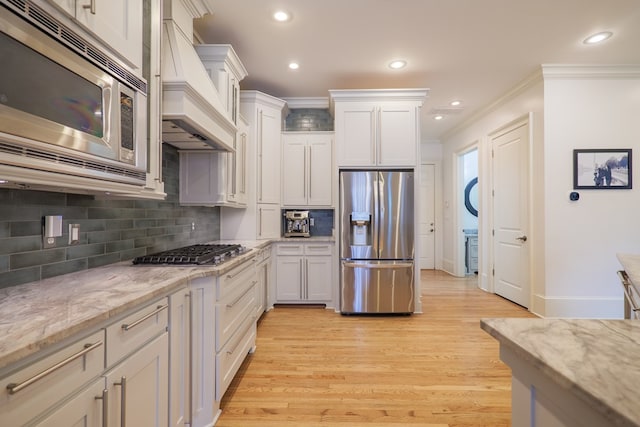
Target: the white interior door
(427, 217)
(511, 214)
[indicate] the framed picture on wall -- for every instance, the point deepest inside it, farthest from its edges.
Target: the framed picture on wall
(602, 169)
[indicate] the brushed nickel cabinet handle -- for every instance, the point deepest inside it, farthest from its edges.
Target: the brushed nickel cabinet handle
(14, 388)
(123, 401)
(129, 326)
(105, 407)
(91, 6)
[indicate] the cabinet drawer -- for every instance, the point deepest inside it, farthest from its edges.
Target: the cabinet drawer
(228, 361)
(236, 280)
(290, 249)
(132, 332)
(317, 249)
(47, 381)
(232, 313)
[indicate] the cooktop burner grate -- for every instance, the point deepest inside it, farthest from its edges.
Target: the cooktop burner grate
(194, 254)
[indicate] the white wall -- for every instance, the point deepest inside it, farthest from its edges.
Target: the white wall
(587, 107)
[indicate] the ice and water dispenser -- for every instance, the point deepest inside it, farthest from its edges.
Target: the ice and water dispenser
(360, 235)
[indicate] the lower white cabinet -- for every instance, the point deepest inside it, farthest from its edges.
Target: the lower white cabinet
(62, 373)
(84, 409)
(263, 273)
(138, 387)
(235, 321)
(303, 272)
(191, 349)
(116, 375)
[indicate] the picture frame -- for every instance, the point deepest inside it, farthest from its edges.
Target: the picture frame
(602, 169)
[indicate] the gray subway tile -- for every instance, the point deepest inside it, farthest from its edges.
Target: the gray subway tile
(30, 259)
(18, 277)
(56, 269)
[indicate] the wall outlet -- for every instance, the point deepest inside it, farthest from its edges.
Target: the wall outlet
(51, 228)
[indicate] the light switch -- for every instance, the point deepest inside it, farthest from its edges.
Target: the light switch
(74, 234)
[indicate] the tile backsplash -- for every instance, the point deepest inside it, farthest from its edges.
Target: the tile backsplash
(110, 230)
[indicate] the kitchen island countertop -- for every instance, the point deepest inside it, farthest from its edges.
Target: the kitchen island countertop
(593, 360)
(36, 315)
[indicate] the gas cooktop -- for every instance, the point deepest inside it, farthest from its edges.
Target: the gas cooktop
(195, 254)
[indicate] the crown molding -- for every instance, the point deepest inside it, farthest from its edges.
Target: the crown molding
(587, 71)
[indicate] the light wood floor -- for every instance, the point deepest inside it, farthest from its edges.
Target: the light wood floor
(313, 367)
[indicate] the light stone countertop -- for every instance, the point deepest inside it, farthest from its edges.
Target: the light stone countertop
(595, 360)
(36, 315)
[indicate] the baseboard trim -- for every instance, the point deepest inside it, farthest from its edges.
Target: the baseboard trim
(578, 307)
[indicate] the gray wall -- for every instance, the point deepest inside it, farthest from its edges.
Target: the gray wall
(110, 230)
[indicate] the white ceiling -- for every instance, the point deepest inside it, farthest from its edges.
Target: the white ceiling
(471, 50)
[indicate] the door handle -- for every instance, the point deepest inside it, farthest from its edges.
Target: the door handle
(522, 238)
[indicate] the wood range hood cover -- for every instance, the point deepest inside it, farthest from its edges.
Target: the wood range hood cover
(193, 114)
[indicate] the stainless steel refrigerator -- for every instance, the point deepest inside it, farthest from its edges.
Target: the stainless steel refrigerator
(376, 234)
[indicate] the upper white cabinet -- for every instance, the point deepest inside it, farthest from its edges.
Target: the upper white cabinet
(116, 23)
(307, 165)
(212, 178)
(226, 72)
(377, 127)
(264, 114)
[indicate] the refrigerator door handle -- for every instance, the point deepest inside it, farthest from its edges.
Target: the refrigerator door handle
(378, 266)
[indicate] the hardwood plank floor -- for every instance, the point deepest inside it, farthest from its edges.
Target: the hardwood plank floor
(313, 367)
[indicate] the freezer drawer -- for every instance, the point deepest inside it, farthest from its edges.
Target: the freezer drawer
(377, 287)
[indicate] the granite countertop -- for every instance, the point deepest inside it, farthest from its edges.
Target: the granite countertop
(38, 314)
(595, 360)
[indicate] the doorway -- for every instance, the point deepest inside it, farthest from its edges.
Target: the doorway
(467, 212)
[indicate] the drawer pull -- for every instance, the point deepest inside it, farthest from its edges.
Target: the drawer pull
(123, 401)
(240, 297)
(105, 407)
(231, 276)
(14, 388)
(129, 326)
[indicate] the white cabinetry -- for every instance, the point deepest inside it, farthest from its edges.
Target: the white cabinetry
(226, 72)
(377, 127)
(303, 272)
(263, 272)
(235, 320)
(69, 368)
(261, 219)
(307, 169)
(68, 385)
(211, 178)
(116, 23)
(138, 357)
(192, 365)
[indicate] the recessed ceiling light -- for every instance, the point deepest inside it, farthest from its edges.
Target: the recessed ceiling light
(438, 117)
(294, 65)
(281, 16)
(597, 38)
(455, 103)
(397, 64)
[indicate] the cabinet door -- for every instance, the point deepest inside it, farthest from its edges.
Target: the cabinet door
(319, 170)
(268, 155)
(138, 389)
(318, 281)
(85, 409)
(118, 23)
(237, 167)
(397, 138)
(202, 294)
(289, 270)
(294, 170)
(268, 221)
(179, 363)
(356, 133)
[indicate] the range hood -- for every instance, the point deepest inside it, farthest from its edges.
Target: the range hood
(192, 113)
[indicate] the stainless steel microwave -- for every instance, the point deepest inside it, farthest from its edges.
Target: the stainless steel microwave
(65, 105)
